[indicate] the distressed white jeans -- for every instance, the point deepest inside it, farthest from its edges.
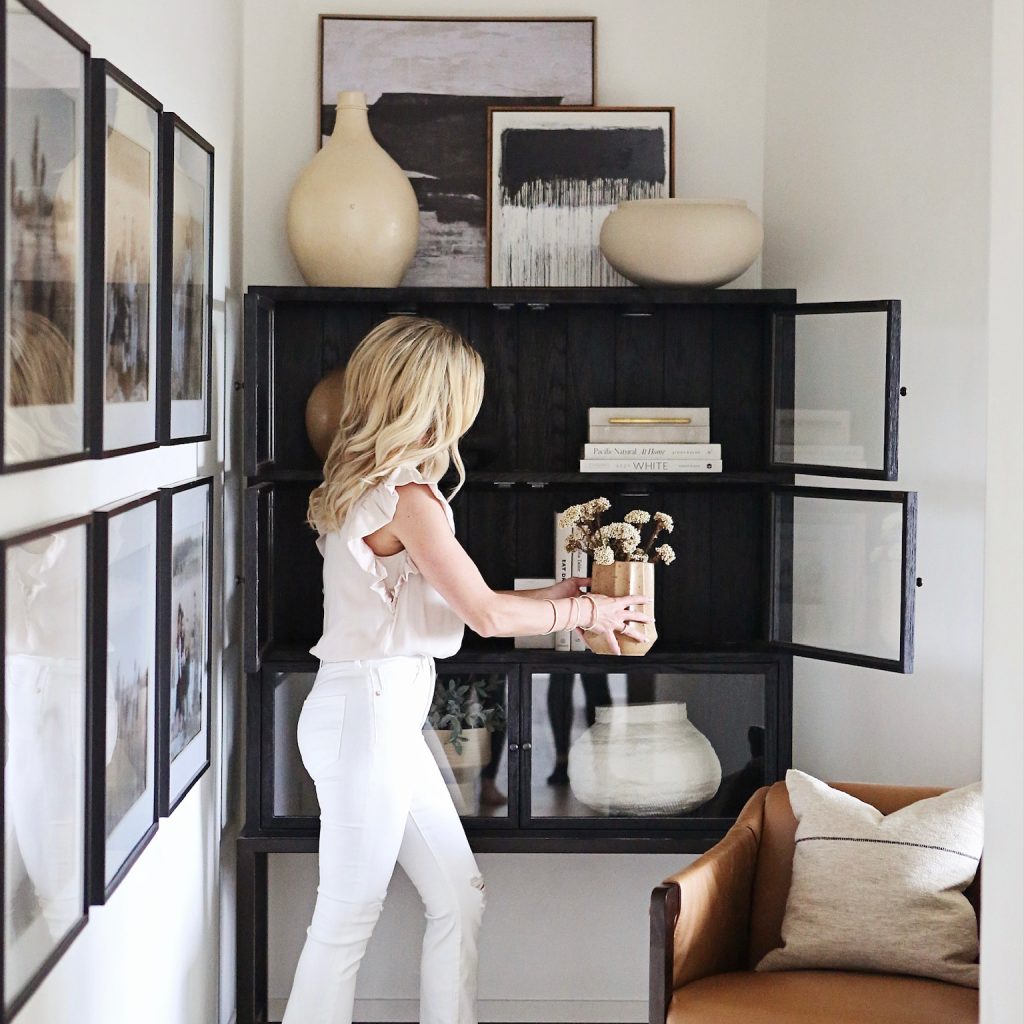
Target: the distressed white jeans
(383, 800)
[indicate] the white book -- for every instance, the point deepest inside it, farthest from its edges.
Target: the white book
(563, 570)
(652, 451)
(543, 641)
(648, 433)
(579, 568)
(650, 466)
(604, 415)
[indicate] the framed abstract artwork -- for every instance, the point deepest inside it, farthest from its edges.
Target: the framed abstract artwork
(428, 83)
(44, 109)
(45, 679)
(185, 597)
(554, 175)
(124, 642)
(186, 283)
(124, 143)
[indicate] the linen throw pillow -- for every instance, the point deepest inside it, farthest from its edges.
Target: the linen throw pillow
(874, 892)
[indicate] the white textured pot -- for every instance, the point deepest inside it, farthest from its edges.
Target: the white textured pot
(353, 219)
(643, 759)
(701, 242)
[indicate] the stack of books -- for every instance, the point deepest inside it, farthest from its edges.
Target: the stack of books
(650, 439)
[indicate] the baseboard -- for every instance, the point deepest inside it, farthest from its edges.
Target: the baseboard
(503, 1011)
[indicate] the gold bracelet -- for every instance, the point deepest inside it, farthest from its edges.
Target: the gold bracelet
(593, 621)
(576, 616)
(554, 615)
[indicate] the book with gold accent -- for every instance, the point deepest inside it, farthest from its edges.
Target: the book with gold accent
(649, 415)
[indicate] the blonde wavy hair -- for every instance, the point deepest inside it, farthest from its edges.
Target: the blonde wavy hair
(412, 388)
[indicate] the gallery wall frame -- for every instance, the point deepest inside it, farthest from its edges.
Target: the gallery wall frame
(125, 728)
(46, 686)
(428, 81)
(123, 211)
(185, 275)
(564, 169)
(185, 613)
(44, 153)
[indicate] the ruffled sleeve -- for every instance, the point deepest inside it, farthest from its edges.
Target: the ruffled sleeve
(374, 509)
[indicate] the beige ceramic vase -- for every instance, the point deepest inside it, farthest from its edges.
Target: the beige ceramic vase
(618, 580)
(353, 219)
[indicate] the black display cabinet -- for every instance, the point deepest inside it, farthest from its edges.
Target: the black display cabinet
(765, 569)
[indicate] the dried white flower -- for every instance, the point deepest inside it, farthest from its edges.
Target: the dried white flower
(570, 516)
(664, 521)
(664, 554)
(637, 517)
(603, 555)
(638, 556)
(596, 505)
(627, 536)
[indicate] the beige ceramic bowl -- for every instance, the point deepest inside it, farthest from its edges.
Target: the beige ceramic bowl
(700, 242)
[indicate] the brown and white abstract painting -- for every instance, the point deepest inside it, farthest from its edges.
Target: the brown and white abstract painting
(428, 85)
(555, 175)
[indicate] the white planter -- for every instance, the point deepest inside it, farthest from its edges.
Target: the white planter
(476, 752)
(698, 242)
(643, 759)
(353, 218)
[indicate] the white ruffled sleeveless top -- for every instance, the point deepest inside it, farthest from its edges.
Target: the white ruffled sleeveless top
(381, 606)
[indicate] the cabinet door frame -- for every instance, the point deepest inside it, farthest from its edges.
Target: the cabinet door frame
(890, 427)
(777, 725)
(907, 500)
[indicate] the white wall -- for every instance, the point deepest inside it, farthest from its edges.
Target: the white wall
(707, 58)
(151, 952)
(876, 186)
(1002, 916)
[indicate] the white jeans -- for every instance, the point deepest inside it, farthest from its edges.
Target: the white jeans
(382, 800)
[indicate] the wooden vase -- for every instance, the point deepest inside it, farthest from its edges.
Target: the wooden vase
(618, 580)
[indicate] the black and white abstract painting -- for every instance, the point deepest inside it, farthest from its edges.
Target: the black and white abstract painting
(554, 177)
(428, 85)
(42, 145)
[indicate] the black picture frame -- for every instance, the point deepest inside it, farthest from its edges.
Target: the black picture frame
(40, 329)
(198, 426)
(104, 877)
(59, 566)
(105, 413)
(430, 114)
(172, 790)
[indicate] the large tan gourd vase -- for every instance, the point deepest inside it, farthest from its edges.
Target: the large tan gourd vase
(618, 580)
(353, 219)
(323, 411)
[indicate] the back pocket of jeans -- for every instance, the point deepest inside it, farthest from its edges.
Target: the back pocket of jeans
(319, 731)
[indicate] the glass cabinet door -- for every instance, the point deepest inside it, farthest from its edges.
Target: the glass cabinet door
(467, 730)
(835, 389)
(842, 575)
(671, 745)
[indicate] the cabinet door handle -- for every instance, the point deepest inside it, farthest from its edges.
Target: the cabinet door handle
(513, 746)
(527, 746)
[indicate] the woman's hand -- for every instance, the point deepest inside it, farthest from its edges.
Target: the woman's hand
(614, 615)
(563, 588)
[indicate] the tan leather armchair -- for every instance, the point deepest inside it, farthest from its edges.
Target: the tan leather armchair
(714, 920)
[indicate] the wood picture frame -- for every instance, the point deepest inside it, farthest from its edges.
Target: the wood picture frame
(124, 651)
(124, 309)
(185, 376)
(428, 82)
(44, 303)
(46, 685)
(539, 159)
(185, 612)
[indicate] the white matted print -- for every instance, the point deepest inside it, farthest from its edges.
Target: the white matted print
(555, 175)
(130, 705)
(428, 84)
(131, 130)
(44, 682)
(186, 625)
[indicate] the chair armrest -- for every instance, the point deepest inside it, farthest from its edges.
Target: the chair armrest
(700, 917)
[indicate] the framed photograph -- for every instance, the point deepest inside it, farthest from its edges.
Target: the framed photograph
(124, 641)
(428, 83)
(185, 591)
(46, 684)
(124, 141)
(186, 282)
(43, 107)
(555, 174)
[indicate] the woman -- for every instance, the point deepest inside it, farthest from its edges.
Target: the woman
(398, 590)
